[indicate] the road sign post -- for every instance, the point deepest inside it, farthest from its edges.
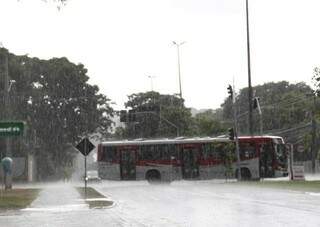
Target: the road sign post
(85, 147)
(85, 169)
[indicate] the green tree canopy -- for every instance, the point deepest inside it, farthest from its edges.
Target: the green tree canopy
(158, 115)
(59, 106)
(283, 105)
(209, 123)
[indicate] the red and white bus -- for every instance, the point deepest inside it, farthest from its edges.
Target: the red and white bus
(192, 158)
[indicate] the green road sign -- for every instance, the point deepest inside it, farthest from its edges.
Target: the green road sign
(11, 128)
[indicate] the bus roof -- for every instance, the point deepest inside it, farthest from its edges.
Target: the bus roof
(181, 140)
(163, 141)
(261, 137)
(275, 139)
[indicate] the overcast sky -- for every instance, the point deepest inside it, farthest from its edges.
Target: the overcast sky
(122, 42)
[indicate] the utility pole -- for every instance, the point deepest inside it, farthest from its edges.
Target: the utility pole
(179, 71)
(237, 140)
(151, 79)
(85, 170)
(250, 96)
(232, 95)
(314, 135)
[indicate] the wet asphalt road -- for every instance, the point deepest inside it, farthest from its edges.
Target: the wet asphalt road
(183, 203)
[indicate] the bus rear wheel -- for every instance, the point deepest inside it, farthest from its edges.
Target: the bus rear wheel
(245, 174)
(153, 176)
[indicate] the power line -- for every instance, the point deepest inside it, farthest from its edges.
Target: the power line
(277, 105)
(285, 104)
(289, 99)
(282, 131)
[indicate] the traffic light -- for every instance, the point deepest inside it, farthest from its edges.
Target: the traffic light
(231, 133)
(230, 91)
(256, 102)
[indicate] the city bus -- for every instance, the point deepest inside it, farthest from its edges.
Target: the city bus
(192, 158)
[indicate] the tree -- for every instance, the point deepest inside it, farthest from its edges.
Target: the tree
(58, 106)
(157, 115)
(283, 105)
(209, 123)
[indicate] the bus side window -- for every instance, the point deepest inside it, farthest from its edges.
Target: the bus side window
(139, 154)
(146, 152)
(247, 150)
(109, 154)
(155, 152)
(150, 152)
(218, 151)
(173, 149)
(205, 148)
(164, 151)
(103, 154)
(142, 152)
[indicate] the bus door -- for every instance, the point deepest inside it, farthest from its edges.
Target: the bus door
(266, 160)
(128, 163)
(190, 161)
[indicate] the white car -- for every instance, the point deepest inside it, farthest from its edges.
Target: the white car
(92, 175)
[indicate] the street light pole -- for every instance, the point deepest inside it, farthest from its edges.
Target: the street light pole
(179, 71)
(250, 96)
(235, 126)
(151, 79)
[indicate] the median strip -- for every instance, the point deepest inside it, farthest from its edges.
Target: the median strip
(94, 199)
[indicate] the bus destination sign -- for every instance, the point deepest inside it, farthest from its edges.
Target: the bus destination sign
(11, 128)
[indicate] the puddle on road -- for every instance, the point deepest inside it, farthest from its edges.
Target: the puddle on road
(99, 203)
(64, 208)
(313, 193)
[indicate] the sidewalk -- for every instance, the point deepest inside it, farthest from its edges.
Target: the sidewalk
(58, 198)
(60, 205)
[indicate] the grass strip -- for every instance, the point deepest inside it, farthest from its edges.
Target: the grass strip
(17, 198)
(304, 186)
(94, 199)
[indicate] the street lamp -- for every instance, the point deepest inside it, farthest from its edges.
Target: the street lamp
(250, 96)
(151, 79)
(179, 72)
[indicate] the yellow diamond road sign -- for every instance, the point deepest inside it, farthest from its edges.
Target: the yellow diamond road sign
(85, 146)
